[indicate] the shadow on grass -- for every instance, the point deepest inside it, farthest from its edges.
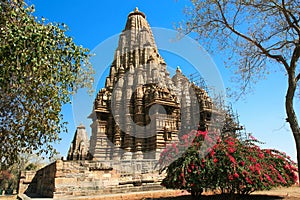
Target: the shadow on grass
(220, 197)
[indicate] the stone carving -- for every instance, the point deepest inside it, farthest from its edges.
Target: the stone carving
(138, 81)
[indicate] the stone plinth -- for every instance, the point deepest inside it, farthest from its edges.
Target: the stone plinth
(63, 179)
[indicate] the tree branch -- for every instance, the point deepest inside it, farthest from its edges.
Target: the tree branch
(280, 46)
(236, 14)
(295, 58)
(297, 77)
(286, 13)
(258, 45)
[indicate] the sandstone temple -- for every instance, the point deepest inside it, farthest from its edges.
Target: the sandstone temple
(140, 110)
(141, 107)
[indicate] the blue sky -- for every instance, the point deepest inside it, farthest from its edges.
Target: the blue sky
(92, 22)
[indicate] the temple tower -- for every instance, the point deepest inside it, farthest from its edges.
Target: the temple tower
(141, 108)
(80, 145)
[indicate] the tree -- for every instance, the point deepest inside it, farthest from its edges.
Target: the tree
(235, 165)
(9, 178)
(40, 67)
(256, 35)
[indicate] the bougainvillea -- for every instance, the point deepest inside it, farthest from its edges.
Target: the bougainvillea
(232, 165)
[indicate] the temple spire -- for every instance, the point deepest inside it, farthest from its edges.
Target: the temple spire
(136, 47)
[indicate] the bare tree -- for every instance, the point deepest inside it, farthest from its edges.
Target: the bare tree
(256, 35)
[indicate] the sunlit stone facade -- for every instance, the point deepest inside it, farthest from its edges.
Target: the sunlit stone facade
(141, 108)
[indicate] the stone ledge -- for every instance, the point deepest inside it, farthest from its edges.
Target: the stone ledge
(130, 196)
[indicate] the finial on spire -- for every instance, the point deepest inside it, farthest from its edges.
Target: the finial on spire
(81, 125)
(178, 69)
(137, 12)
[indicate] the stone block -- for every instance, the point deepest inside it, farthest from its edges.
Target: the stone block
(65, 181)
(106, 175)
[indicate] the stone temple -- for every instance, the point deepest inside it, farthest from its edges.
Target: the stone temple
(141, 107)
(135, 115)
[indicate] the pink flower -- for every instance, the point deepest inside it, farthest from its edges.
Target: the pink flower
(232, 159)
(281, 179)
(242, 163)
(261, 155)
(215, 160)
(202, 133)
(230, 143)
(212, 153)
(295, 178)
(236, 175)
(245, 173)
(257, 168)
(268, 151)
(231, 149)
(293, 168)
(192, 166)
(251, 159)
(269, 178)
(248, 180)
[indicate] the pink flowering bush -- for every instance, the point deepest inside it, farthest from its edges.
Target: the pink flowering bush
(232, 165)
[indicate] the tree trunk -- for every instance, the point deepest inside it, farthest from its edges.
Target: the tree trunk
(292, 117)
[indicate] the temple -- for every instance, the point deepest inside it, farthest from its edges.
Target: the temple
(135, 115)
(141, 108)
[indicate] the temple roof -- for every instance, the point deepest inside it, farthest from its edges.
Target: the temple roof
(136, 21)
(137, 32)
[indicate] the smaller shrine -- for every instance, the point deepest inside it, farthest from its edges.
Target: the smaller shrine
(79, 147)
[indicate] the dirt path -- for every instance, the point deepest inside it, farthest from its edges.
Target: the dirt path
(291, 193)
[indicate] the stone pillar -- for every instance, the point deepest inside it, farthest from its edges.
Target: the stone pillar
(93, 138)
(139, 121)
(117, 143)
(101, 149)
